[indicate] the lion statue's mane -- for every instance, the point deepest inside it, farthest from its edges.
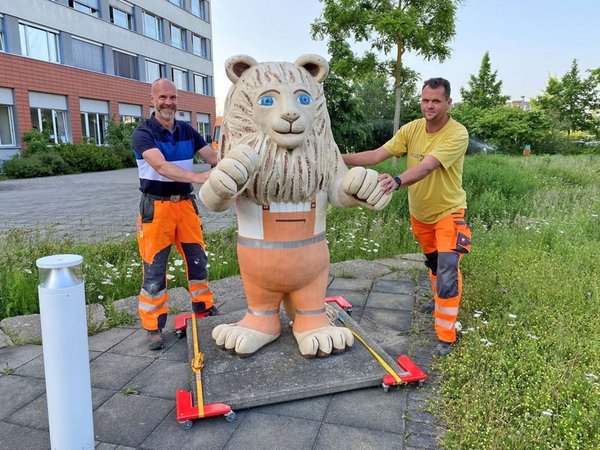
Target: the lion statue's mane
(284, 175)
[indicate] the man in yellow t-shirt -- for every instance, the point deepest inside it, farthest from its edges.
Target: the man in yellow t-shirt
(435, 147)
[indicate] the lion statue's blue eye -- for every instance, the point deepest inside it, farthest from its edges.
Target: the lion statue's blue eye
(267, 100)
(304, 99)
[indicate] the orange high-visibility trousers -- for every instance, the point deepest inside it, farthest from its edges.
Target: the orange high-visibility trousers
(443, 243)
(160, 224)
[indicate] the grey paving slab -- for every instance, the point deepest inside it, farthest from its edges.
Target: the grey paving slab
(16, 437)
(15, 356)
(162, 378)
(265, 431)
(278, 372)
(352, 284)
(115, 371)
(107, 339)
(210, 433)
(333, 436)
(396, 320)
(129, 419)
(353, 297)
(35, 413)
(16, 392)
(310, 408)
(403, 285)
(35, 367)
(404, 302)
(135, 344)
(369, 408)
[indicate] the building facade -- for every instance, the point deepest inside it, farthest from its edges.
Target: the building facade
(70, 66)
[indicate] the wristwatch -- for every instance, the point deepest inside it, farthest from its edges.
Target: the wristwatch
(399, 181)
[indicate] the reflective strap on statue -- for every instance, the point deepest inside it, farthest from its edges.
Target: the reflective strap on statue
(269, 312)
(270, 244)
(310, 312)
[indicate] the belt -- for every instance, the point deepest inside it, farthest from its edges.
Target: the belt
(170, 198)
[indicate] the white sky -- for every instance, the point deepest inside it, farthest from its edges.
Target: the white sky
(528, 40)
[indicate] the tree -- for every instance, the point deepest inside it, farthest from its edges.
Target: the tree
(484, 91)
(422, 26)
(571, 102)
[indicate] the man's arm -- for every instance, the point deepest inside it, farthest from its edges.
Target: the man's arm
(410, 176)
(208, 155)
(155, 158)
(367, 158)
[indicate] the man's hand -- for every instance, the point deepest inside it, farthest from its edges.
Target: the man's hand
(363, 185)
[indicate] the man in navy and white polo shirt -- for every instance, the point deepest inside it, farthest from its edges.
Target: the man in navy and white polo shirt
(164, 150)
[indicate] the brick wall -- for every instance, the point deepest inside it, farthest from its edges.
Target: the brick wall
(24, 75)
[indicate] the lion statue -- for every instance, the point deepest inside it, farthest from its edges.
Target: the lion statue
(280, 165)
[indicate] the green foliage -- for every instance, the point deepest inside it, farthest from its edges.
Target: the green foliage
(571, 103)
(484, 91)
(347, 119)
(424, 27)
(89, 157)
(505, 128)
(527, 371)
(118, 138)
(39, 164)
(37, 141)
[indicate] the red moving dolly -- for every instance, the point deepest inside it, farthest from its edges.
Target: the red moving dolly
(186, 410)
(411, 372)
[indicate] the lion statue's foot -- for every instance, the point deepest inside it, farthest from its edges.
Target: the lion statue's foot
(324, 341)
(239, 340)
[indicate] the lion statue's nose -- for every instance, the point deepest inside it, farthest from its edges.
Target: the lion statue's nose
(291, 116)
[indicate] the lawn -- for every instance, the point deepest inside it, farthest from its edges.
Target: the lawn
(526, 374)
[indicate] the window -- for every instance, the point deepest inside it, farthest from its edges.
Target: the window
(202, 84)
(85, 6)
(154, 71)
(7, 127)
(180, 79)
(177, 2)
(52, 119)
(38, 43)
(130, 113)
(184, 116)
(152, 26)
(200, 9)
(87, 55)
(125, 65)
(203, 124)
(121, 18)
(177, 37)
(200, 46)
(94, 119)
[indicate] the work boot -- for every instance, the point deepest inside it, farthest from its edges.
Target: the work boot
(154, 339)
(445, 348)
(212, 311)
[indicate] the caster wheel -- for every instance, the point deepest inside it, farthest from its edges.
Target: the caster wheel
(179, 333)
(386, 389)
(186, 424)
(349, 311)
(230, 416)
(421, 383)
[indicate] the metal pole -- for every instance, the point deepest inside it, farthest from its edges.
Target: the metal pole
(66, 356)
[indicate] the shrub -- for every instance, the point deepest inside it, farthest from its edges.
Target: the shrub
(89, 157)
(43, 164)
(118, 137)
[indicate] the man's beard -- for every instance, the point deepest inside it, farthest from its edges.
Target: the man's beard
(166, 113)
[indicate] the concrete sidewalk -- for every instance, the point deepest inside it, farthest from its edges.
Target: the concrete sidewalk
(133, 389)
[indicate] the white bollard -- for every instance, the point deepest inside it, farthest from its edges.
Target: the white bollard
(66, 356)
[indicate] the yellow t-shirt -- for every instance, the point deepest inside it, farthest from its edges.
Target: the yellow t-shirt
(439, 193)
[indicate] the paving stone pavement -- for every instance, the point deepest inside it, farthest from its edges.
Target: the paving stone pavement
(133, 389)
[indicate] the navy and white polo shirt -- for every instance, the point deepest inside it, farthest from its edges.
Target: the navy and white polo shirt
(178, 148)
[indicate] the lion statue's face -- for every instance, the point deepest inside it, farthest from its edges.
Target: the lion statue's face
(279, 109)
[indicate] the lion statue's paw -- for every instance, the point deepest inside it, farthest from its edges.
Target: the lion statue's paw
(242, 341)
(324, 341)
(363, 185)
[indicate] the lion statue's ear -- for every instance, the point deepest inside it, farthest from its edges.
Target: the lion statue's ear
(316, 65)
(237, 65)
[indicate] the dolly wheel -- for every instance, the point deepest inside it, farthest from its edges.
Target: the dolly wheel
(386, 388)
(179, 333)
(230, 416)
(186, 424)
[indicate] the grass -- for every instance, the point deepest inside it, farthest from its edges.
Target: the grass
(526, 374)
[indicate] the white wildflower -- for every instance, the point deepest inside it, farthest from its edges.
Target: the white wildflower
(100, 297)
(170, 277)
(512, 316)
(178, 262)
(547, 412)
(532, 336)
